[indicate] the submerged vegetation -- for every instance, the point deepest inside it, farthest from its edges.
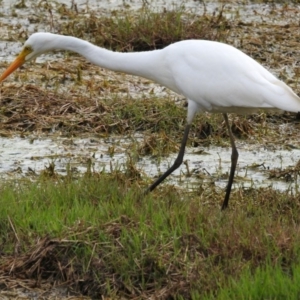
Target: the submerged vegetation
(95, 234)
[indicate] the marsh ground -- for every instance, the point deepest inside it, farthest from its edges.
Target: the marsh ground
(73, 229)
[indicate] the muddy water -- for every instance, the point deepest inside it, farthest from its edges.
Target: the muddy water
(20, 157)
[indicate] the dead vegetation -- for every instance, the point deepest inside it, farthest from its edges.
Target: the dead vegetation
(33, 109)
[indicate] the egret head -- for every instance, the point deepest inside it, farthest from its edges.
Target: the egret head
(36, 44)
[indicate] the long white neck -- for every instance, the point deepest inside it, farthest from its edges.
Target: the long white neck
(143, 64)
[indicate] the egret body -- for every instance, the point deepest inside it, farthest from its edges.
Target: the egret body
(213, 76)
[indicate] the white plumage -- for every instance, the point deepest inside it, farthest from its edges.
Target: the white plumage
(213, 77)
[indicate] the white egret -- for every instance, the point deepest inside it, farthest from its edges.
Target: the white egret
(213, 76)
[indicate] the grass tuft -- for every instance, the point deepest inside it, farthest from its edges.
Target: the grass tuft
(99, 235)
(147, 30)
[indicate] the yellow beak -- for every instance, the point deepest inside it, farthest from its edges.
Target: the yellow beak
(19, 61)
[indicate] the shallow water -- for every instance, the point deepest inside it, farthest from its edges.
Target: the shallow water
(23, 157)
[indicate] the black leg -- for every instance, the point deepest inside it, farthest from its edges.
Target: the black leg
(234, 159)
(176, 164)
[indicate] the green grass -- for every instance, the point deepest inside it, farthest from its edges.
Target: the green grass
(102, 237)
(266, 283)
